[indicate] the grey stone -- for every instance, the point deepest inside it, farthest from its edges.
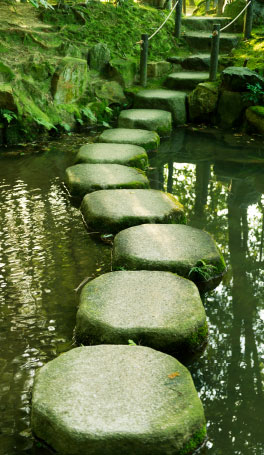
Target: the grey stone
(169, 100)
(205, 23)
(116, 399)
(197, 62)
(147, 119)
(125, 154)
(86, 178)
(98, 57)
(230, 108)
(158, 69)
(149, 140)
(70, 80)
(112, 211)
(185, 80)
(156, 309)
(236, 78)
(174, 248)
(203, 101)
(201, 41)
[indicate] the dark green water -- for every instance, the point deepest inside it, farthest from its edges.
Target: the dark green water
(45, 253)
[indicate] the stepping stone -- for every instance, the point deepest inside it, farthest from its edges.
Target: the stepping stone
(169, 100)
(86, 178)
(201, 41)
(117, 400)
(112, 211)
(147, 119)
(125, 154)
(196, 62)
(149, 140)
(156, 309)
(187, 80)
(199, 23)
(170, 247)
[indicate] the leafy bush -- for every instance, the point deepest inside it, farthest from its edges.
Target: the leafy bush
(255, 94)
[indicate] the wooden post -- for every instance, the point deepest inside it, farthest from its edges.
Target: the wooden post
(178, 13)
(184, 7)
(144, 60)
(248, 20)
(215, 3)
(207, 6)
(214, 52)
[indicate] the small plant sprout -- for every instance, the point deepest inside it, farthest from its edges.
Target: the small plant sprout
(203, 270)
(131, 343)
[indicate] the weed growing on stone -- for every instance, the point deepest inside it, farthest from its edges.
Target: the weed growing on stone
(203, 270)
(255, 94)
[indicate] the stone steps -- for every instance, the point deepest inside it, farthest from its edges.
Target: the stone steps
(201, 41)
(205, 23)
(186, 80)
(195, 62)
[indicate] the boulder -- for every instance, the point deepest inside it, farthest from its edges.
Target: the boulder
(116, 399)
(70, 80)
(169, 100)
(7, 98)
(146, 119)
(156, 309)
(180, 249)
(112, 211)
(86, 178)
(110, 91)
(149, 140)
(203, 100)
(230, 109)
(122, 71)
(236, 78)
(99, 57)
(125, 154)
(255, 118)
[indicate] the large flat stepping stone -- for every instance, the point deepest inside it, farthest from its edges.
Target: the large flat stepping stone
(149, 140)
(201, 41)
(169, 100)
(156, 309)
(186, 80)
(86, 178)
(195, 62)
(147, 119)
(117, 400)
(114, 210)
(175, 248)
(125, 154)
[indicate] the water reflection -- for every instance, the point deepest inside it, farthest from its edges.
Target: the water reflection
(227, 200)
(44, 254)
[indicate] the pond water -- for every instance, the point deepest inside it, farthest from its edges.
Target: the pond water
(45, 252)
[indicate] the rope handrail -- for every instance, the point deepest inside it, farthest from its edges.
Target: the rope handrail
(230, 23)
(160, 27)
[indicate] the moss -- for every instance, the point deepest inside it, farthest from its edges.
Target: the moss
(194, 442)
(198, 338)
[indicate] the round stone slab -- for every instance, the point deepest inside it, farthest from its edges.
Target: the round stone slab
(169, 100)
(149, 140)
(114, 210)
(125, 154)
(86, 178)
(156, 309)
(184, 250)
(117, 400)
(147, 119)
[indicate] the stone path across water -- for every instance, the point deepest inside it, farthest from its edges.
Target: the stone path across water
(117, 400)
(149, 140)
(125, 154)
(156, 309)
(114, 210)
(149, 119)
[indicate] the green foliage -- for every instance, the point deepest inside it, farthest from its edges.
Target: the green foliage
(8, 115)
(131, 343)
(203, 270)
(255, 94)
(38, 3)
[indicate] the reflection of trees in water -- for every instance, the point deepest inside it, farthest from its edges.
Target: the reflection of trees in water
(229, 374)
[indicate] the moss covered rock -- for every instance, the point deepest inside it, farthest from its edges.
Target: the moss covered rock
(230, 109)
(158, 309)
(69, 81)
(149, 140)
(255, 118)
(99, 56)
(236, 78)
(125, 154)
(149, 119)
(117, 399)
(203, 100)
(7, 98)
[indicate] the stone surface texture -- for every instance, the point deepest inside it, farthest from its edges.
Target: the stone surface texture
(86, 178)
(174, 248)
(98, 57)
(156, 309)
(169, 100)
(125, 154)
(230, 109)
(116, 399)
(255, 118)
(146, 119)
(186, 80)
(236, 78)
(112, 211)
(201, 41)
(203, 100)
(149, 140)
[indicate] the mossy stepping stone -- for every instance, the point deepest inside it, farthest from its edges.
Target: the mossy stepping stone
(149, 140)
(169, 100)
(125, 154)
(184, 250)
(147, 119)
(187, 80)
(86, 178)
(156, 309)
(117, 400)
(114, 210)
